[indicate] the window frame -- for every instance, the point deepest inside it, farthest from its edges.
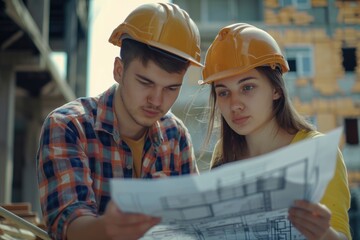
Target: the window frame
(298, 4)
(301, 53)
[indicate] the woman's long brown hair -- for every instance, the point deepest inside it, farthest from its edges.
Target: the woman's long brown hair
(234, 146)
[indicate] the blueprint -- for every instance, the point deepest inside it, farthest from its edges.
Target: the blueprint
(248, 199)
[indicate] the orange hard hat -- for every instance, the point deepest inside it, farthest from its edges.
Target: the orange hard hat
(162, 25)
(239, 48)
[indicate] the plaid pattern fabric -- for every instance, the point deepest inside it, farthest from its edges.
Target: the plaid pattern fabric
(80, 150)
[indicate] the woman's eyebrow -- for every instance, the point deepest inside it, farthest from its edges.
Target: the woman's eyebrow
(239, 81)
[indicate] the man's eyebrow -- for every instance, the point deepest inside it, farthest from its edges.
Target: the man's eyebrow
(144, 78)
(141, 77)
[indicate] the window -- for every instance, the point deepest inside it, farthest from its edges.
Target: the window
(220, 11)
(349, 59)
(351, 131)
(192, 7)
(300, 59)
(231, 10)
(299, 4)
(223, 11)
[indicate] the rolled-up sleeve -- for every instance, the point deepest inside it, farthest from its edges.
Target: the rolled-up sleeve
(64, 176)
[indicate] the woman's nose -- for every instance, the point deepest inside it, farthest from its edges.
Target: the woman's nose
(237, 104)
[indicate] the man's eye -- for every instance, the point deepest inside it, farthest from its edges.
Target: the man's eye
(173, 88)
(145, 83)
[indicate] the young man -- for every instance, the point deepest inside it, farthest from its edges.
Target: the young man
(125, 132)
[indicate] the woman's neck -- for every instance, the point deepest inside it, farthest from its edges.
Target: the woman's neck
(267, 140)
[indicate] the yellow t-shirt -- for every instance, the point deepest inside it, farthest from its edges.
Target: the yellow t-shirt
(337, 194)
(136, 147)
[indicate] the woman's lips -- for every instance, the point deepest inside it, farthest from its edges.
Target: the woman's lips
(240, 120)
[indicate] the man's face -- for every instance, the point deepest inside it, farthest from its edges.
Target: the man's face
(146, 92)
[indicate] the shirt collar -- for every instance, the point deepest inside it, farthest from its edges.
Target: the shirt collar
(105, 119)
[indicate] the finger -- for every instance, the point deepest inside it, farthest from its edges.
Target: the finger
(314, 224)
(314, 212)
(312, 220)
(114, 215)
(135, 219)
(309, 219)
(316, 209)
(161, 174)
(131, 231)
(309, 234)
(127, 225)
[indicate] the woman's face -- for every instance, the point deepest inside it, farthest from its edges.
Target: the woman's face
(246, 101)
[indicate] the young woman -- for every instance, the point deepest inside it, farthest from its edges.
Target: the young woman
(245, 67)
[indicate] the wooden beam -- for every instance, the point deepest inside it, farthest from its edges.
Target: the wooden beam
(16, 36)
(82, 14)
(7, 106)
(33, 129)
(71, 36)
(82, 62)
(19, 59)
(40, 12)
(18, 12)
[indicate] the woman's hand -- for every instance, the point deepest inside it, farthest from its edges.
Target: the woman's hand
(313, 220)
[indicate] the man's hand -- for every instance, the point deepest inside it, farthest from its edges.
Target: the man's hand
(120, 225)
(113, 224)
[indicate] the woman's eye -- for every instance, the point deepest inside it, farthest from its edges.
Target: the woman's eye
(222, 93)
(248, 88)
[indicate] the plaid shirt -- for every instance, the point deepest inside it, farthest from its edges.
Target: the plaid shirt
(81, 150)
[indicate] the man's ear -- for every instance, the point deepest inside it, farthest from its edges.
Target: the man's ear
(118, 70)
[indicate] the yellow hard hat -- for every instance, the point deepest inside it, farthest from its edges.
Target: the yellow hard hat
(239, 48)
(162, 25)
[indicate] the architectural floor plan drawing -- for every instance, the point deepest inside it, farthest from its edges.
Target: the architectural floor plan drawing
(271, 225)
(242, 200)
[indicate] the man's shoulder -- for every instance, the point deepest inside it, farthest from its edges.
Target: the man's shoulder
(79, 108)
(170, 120)
(85, 106)
(171, 126)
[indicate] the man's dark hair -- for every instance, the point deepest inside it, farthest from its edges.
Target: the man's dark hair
(132, 49)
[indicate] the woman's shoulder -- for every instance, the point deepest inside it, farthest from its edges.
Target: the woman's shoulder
(304, 134)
